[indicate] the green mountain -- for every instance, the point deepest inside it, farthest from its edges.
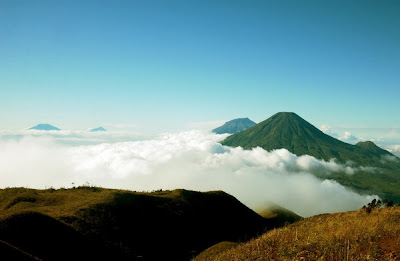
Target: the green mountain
(89, 223)
(234, 126)
(288, 130)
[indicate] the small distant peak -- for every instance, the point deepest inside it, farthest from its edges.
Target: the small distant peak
(365, 143)
(234, 126)
(372, 147)
(98, 129)
(44, 126)
(368, 145)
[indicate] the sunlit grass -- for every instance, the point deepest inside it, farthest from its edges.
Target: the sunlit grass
(343, 236)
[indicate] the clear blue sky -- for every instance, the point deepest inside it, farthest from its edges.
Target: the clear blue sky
(80, 64)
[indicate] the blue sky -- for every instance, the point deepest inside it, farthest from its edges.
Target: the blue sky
(162, 64)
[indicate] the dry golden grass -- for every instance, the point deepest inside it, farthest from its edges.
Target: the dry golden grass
(342, 236)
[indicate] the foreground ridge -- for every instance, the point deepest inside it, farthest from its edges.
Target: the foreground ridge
(356, 235)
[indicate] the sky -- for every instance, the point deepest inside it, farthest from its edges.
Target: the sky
(165, 65)
(158, 75)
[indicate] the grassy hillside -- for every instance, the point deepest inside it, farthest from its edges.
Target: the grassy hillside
(288, 130)
(162, 225)
(353, 235)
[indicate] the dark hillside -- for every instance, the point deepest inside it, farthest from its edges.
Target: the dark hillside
(162, 225)
(191, 220)
(9, 252)
(50, 239)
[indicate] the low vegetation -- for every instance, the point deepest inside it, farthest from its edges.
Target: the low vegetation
(124, 225)
(357, 235)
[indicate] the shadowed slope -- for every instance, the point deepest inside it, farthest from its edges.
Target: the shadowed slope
(9, 252)
(50, 239)
(162, 225)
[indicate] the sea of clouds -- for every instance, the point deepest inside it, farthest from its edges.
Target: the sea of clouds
(192, 160)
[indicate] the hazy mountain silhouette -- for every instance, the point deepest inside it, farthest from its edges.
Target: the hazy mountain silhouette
(44, 126)
(234, 126)
(98, 129)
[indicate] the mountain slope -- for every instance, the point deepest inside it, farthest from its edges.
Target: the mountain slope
(162, 225)
(288, 130)
(353, 235)
(44, 126)
(234, 126)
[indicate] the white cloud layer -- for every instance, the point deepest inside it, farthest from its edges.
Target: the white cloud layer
(394, 149)
(348, 137)
(74, 137)
(191, 160)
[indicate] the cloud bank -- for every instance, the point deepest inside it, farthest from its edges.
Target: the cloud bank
(395, 149)
(191, 160)
(74, 137)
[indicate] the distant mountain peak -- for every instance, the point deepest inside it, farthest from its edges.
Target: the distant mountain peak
(98, 129)
(234, 126)
(44, 126)
(367, 144)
